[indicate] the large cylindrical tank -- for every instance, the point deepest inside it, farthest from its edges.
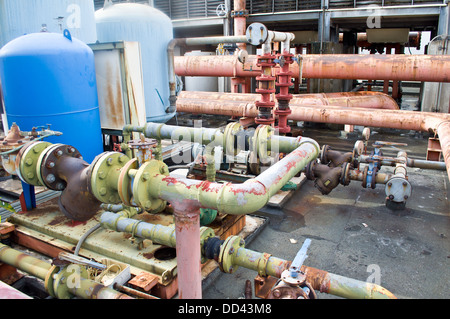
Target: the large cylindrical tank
(19, 17)
(153, 30)
(49, 78)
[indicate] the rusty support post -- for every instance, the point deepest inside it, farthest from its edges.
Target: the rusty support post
(187, 228)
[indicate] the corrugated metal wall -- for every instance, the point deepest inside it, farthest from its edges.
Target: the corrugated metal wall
(190, 9)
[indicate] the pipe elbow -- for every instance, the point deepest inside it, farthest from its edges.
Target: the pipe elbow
(241, 199)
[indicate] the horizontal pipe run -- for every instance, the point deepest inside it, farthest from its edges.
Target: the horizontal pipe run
(31, 265)
(435, 123)
(380, 178)
(425, 68)
(160, 234)
(417, 163)
(198, 102)
(89, 289)
(320, 280)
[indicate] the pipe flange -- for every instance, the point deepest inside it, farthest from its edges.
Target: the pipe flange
(259, 143)
(49, 280)
(205, 234)
(142, 185)
(231, 148)
(364, 178)
(227, 251)
(67, 276)
(398, 189)
(262, 264)
(125, 181)
(323, 154)
(257, 33)
(309, 171)
(48, 165)
(373, 183)
(105, 175)
(27, 162)
(345, 177)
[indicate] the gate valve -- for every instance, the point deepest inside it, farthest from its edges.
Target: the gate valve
(292, 284)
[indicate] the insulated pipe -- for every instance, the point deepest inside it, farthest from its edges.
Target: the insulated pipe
(199, 102)
(425, 68)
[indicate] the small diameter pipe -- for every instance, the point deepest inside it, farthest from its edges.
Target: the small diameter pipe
(320, 280)
(160, 234)
(88, 289)
(380, 178)
(417, 163)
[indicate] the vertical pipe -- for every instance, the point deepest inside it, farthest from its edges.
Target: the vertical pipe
(240, 22)
(187, 228)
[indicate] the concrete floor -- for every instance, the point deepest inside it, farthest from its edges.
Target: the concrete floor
(353, 233)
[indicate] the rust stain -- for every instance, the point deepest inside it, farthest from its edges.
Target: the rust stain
(148, 255)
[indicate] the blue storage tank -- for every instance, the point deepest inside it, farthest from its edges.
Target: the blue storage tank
(153, 30)
(49, 78)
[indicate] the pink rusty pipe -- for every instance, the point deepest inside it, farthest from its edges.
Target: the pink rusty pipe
(240, 21)
(435, 123)
(429, 68)
(194, 102)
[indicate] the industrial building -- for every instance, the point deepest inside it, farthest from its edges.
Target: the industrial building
(197, 149)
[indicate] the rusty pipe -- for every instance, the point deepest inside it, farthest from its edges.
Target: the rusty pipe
(435, 123)
(233, 254)
(337, 285)
(240, 21)
(364, 99)
(429, 68)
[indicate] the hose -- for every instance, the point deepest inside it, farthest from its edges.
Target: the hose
(83, 238)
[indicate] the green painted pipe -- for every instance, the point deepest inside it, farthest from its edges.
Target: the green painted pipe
(164, 235)
(88, 289)
(323, 281)
(31, 265)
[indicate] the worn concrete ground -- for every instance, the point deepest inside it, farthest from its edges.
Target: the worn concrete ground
(353, 234)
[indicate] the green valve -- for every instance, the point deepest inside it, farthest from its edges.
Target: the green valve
(289, 186)
(207, 216)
